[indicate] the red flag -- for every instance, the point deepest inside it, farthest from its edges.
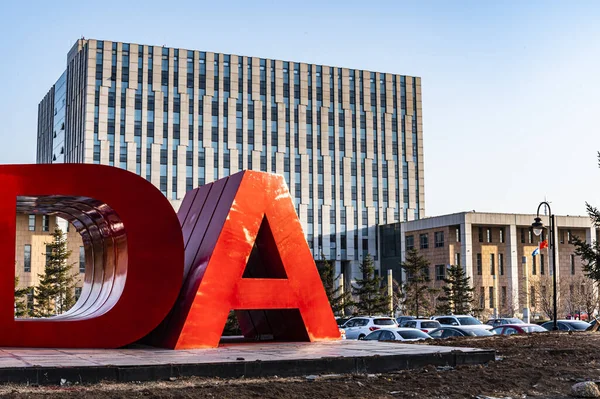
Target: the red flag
(543, 244)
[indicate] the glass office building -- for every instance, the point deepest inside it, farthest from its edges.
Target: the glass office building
(349, 142)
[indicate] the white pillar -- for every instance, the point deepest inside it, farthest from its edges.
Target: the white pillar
(512, 260)
(465, 249)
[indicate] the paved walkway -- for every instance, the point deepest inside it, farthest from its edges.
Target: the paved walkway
(54, 366)
(247, 352)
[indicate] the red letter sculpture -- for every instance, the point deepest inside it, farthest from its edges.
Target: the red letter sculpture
(245, 250)
(133, 246)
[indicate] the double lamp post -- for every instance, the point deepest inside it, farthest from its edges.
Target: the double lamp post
(538, 227)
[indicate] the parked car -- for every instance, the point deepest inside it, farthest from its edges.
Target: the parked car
(402, 319)
(360, 327)
(567, 325)
(460, 320)
(503, 320)
(468, 331)
(510, 329)
(425, 325)
(398, 334)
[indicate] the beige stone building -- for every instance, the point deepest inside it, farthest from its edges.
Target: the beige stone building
(32, 234)
(496, 252)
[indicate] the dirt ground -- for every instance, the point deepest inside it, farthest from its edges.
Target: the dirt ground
(543, 365)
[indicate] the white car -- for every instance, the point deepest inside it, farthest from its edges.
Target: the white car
(425, 325)
(461, 321)
(397, 334)
(360, 327)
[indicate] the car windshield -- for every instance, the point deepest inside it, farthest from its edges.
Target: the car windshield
(515, 321)
(384, 322)
(579, 325)
(468, 321)
(531, 329)
(415, 334)
(430, 324)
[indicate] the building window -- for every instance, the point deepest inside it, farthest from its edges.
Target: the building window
(501, 232)
(492, 265)
(482, 297)
(81, 260)
(424, 240)
(488, 235)
(457, 258)
(457, 231)
(491, 293)
(501, 264)
(534, 266)
(568, 236)
(31, 223)
(542, 264)
(439, 239)
(45, 223)
(572, 264)
(27, 258)
(530, 236)
(503, 296)
(480, 234)
(30, 298)
(410, 242)
(479, 267)
(48, 253)
(440, 272)
(77, 293)
(522, 236)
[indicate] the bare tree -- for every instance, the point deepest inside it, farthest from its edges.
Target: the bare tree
(544, 296)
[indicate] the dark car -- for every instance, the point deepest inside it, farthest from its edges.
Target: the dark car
(567, 325)
(503, 321)
(510, 329)
(447, 332)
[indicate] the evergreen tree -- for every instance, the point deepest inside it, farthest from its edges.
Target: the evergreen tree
(372, 298)
(590, 252)
(458, 293)
(416, 287)
(54, 295)
(21, 300)
(338, 300)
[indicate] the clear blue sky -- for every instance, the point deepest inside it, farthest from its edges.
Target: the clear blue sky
(511, 89)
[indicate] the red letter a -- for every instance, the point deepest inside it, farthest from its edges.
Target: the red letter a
(245, 250)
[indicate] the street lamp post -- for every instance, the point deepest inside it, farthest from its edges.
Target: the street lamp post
(538, 227)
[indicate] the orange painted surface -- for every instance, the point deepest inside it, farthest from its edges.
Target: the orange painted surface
(275, 288)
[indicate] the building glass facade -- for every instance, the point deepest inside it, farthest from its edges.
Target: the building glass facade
(349, 142)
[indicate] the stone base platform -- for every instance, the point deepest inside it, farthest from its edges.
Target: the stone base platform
(230, 360)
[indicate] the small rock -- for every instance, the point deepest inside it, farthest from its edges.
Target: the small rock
(396, 392)
(311, 378)
(63, 382)
(371, 375)
(445, 368)
(585, 389)
(172, 378)
(239, 358)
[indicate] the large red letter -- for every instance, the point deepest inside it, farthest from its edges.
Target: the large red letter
(245, 250)
(134, 253)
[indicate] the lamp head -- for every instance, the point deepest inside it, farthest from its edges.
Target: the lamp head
(537, 226)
